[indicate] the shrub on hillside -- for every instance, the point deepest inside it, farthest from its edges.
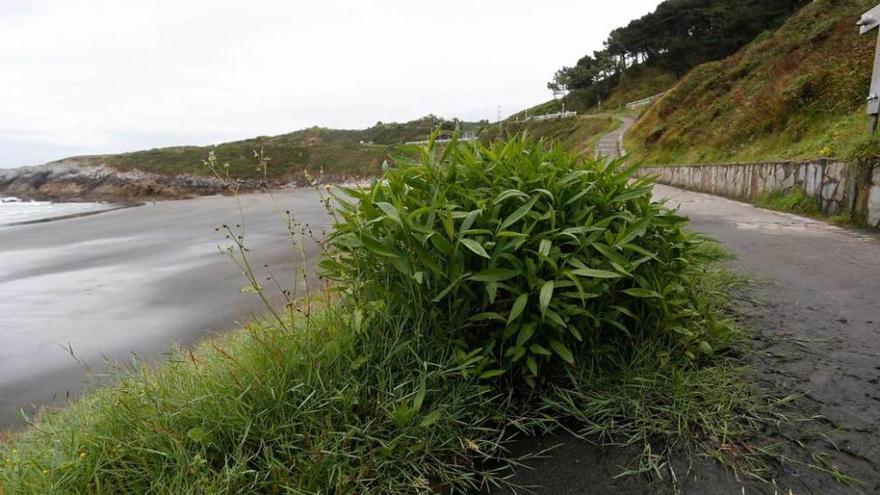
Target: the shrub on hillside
(529, 257)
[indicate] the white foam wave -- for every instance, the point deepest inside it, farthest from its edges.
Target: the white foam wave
(13, 210)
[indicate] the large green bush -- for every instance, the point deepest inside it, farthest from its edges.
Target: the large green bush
(532, 256)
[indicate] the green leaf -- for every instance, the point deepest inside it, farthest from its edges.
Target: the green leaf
(378, 248)
(540, 350)
(525, 333)
(448, 288)
(518, 306)
(636, 230)
(491, 374)
(705, 347)
(487, 316)
(554, 317)
(546, 295)
(508, 233)
(593, 273)
(495, 275)
(518, 214)
(430, 419)
(643, 293)
(631, 194)
(402, 416)
(419, 398)
(545, 246)
(358, 320)
(390, 211)
(532, 365)
(562, 350)
(475, 247)
(469, 220)
(196, 434)
(511, 193)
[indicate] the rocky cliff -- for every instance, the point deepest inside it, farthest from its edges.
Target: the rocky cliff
(71, 180)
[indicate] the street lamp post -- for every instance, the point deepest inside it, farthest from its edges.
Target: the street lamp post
(869, 21)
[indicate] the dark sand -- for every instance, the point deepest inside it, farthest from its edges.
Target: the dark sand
(127, 281)
(817, 319)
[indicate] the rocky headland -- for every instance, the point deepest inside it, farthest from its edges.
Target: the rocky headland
(73, 180)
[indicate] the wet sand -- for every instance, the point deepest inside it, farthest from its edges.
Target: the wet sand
(128, 281)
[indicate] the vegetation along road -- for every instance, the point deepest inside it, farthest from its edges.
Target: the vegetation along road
(161, 277)
(816, 317)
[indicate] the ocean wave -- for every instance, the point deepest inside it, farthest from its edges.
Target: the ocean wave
(14, 210)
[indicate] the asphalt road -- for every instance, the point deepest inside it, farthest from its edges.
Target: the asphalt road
(816, 317)
(611, 144)
(129, 281)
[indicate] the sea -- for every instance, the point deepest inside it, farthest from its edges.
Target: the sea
(14, 211)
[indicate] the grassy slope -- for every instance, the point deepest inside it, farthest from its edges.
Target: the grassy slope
(549, 106)
(636, 83)
(576, 134)
(791, 94)
(318, 408)
(337, 152)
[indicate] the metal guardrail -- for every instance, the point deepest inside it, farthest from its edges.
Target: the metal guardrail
(644, 101)
(551, 116)
(461, 139)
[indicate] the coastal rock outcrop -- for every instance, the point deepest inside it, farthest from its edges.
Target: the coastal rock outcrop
(71, 180)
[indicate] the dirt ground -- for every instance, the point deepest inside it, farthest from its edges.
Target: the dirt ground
(815, 312)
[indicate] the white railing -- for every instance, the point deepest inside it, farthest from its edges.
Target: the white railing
(551, 116)
(461, 139)
(644, 101)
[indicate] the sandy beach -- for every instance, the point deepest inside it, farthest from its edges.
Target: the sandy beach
(128, 281)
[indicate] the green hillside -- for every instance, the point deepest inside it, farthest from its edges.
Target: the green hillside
(797, 92)
(577, 134)
(336, 152)
(650, 53)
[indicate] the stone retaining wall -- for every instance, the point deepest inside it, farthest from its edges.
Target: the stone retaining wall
(872, 208)
(833, 182)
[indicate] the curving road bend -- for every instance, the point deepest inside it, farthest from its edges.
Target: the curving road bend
(611, 144)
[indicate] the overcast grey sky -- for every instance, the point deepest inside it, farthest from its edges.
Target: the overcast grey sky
(100, 76)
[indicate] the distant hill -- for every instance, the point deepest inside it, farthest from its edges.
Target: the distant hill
(796, 92)
(333, 151)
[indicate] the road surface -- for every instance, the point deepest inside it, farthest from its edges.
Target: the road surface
(128, 281)
(817, 318)
(611, 144)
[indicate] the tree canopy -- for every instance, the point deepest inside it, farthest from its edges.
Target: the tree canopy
(677, 36)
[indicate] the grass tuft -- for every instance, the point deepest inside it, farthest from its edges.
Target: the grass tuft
(354, 405)
(795, 200)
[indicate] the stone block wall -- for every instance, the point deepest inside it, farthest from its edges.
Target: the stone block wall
(833, 182)
(872, 209)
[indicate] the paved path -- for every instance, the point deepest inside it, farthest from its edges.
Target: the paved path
(611, 144)
(132, 280)
(817, 317)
